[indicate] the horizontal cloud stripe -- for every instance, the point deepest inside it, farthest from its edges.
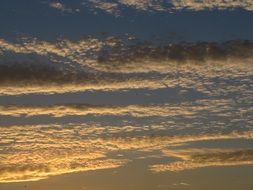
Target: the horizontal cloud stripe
(194, 158)
(43, 151)
(115, 7)
(124, 56)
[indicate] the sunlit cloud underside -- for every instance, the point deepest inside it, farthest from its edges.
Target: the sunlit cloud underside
(217, 107)
(115, 7)
(35, 66)
(30, 153)
(218, 76)
(194, 159)
(185, 106)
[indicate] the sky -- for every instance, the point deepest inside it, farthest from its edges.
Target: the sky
(126, 94)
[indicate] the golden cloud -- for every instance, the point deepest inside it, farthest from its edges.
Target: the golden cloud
(170, 5)
(36, 152)
(132, 110)
(117, 55)
(200, 158)
(113, 64)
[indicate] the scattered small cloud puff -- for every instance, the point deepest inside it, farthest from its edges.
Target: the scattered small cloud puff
(181, 184)
(61, 7)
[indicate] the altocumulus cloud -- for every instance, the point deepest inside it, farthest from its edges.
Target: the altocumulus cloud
(120, 55)
(45, 150)
(165, 114)
(164, 110)
(112, 64)
(115, 7)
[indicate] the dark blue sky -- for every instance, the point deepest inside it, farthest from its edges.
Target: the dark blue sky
(37, 19)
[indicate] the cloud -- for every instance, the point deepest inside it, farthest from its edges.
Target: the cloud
(34, 66)
(109, 7)
(115, 7)
(81, 110)
(122, 56)
(25, 78)
(224, 114)
(181, 184)
(166, 110)
(199, 158)
(148, 57)
(61, 7)
(215, 4)
(37, 171)
(57, 5)
(36, 152)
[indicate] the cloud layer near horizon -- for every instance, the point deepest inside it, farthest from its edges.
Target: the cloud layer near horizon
(30, 153)
(201, 158)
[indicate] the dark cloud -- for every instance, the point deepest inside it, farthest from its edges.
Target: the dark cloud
(150, 56)
(113, 64)
(40, 73)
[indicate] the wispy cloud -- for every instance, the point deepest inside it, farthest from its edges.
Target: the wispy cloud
(107, 6)
(61, 7)
(170, 5)
(199, 158)
(82, 110)
(116, 55)
(112, 64)
(181, 184)
(35, 170)
(36, 152)
(224, 112)
(215, 4)
(184, 109)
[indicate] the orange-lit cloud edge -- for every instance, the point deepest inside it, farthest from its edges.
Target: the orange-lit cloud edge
(201, 158)
(31, 153)
(165, 110)
(114, 7)
(67, 66)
